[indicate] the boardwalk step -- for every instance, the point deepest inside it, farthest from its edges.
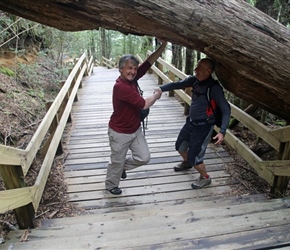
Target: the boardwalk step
(239, 224)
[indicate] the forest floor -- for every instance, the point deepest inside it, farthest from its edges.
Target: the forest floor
(22, 107)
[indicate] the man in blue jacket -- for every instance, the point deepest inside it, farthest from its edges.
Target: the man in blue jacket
(194, 136)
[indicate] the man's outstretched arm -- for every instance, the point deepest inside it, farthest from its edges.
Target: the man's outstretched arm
(156, 54)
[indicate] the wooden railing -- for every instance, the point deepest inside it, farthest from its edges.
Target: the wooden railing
(276, 172)
(108, 63)
(15, 163)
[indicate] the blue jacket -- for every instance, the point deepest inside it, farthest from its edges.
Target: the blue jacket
(199, 108)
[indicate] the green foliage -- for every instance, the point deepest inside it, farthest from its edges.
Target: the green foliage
(6, 71)
(27, 73)
(36, 93)
(252, 2)
(60, 45)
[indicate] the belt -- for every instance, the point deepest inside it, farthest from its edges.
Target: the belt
(198, 123)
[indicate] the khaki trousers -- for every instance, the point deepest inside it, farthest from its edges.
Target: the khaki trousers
(120, 144)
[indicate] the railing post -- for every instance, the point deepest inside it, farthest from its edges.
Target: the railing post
(280, 184)
(72, 86)
(172, 78)
(79, 71)
(52, 129)
(160, 67)
(86, 64)
(13, 177)
(64, 103)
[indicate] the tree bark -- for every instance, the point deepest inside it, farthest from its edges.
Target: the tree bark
(189, 61)
(251, 49)
(176, 56)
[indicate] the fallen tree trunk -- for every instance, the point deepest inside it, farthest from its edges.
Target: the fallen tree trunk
(250, 48)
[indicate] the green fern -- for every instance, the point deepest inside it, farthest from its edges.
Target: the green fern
(6, 71)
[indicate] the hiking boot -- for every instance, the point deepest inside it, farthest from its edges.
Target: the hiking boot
(115, 191)
(182, 166)
(201, 182)
(124, 174)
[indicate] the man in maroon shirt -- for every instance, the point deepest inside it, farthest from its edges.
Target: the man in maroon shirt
(124, 130)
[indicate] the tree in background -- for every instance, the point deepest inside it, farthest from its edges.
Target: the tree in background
(278, 9)
(177, 56)
(189, 61)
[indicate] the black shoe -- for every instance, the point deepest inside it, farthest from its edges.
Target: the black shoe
(115, 191)
(182, 166)
(124, 174)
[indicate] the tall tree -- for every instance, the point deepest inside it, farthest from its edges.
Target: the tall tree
(146, 45)
(189, 61)
(283, 7)
(93, 44)
(267, 6)
(177, 56)
(103, 42)
(278, 9)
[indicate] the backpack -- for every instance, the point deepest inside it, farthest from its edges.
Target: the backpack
(143, 112)
(217, 112)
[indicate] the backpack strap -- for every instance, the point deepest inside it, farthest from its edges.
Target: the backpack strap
(139, 89)
(208, 92)
(143, 122)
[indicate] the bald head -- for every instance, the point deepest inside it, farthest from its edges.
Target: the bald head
(209, 62)
(205, 67)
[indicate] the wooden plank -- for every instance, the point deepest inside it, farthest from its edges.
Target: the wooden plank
(14, 198)
(263, 238)
(166, 207)
(13, 180)
(103, 162)
(145, 169)
(282, 134)
(258, 128)
(101, 155)
(110, 202)
(140, 220)
(249, 156)
(267, 238)
(150, 191)
(133, 231)
(279, 168)
(103, 165)
(96, 148)
(93, 183)
(11, 156)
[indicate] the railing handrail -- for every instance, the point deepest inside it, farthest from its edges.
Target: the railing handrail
(108, 63)
(12, 157)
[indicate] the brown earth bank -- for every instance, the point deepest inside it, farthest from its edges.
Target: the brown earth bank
(22, 107)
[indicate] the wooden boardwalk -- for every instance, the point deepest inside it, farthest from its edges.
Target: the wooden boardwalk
(89, 151)
(158, 208)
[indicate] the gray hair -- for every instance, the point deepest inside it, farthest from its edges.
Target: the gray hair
(126, 58)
